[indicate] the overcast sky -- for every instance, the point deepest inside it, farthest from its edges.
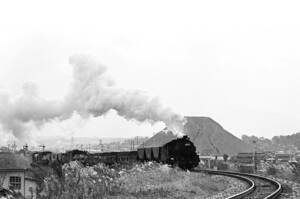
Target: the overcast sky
(235, 62)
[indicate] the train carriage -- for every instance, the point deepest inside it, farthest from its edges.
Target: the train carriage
(113, 157)
(167, 149)
(141, 154)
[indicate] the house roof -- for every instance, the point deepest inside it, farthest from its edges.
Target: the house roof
(13, 161)
(6, 170)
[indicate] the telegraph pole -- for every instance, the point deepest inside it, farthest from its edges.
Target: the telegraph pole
(254, 157)
(43, 147)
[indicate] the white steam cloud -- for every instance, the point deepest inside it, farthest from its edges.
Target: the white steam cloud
(91, 93)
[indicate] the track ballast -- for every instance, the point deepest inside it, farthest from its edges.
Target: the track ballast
(259, 187)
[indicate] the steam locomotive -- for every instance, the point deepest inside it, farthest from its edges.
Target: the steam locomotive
(180, 152)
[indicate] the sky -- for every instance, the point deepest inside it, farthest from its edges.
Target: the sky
(235, 61)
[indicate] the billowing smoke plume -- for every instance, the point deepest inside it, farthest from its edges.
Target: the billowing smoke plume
(91, 93)
(17, 113)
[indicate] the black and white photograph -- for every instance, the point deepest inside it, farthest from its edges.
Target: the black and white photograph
(149, 99)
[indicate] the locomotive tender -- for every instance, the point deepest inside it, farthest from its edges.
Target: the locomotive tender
(180, 152)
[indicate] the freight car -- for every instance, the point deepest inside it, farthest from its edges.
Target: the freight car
(75, 155)
(180, 152)
(42, 158)
(47, 157)
(112, 157)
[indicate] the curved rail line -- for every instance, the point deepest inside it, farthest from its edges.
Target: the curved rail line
(259, 187)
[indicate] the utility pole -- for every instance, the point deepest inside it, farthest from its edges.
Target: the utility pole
(14, 146)
(132, 145)
(254, 157)
(43, 147)
(72, 141)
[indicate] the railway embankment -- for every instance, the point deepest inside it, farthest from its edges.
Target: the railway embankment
(261, 187)
(149, 180)
(287, 175)
(235, 186)
(290, 189)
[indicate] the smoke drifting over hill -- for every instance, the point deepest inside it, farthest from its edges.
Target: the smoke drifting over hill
(91, 93)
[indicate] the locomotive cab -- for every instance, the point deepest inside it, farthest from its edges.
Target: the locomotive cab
(182, 153)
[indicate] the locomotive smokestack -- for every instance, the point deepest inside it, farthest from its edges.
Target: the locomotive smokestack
(185, 137)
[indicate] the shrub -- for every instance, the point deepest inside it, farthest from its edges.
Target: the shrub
(295, 168)
(245, 168)
(81, 182)
(286, 188)
(222, 166)
(225, 157)
(272, 170)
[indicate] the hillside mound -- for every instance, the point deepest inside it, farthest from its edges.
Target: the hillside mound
(159, 139)
(210, 138)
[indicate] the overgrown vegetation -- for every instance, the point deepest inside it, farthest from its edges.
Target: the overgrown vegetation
(295, 167)
(222, 166)
(271, 170)
(290, 171)
(149, 180)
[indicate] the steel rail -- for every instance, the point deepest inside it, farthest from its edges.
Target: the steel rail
(245, 177)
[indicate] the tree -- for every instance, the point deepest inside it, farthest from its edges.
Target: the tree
(225, 157)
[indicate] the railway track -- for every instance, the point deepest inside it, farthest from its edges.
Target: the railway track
(259, 187)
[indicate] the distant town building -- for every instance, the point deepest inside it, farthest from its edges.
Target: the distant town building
(247, 158)
(283, 157)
